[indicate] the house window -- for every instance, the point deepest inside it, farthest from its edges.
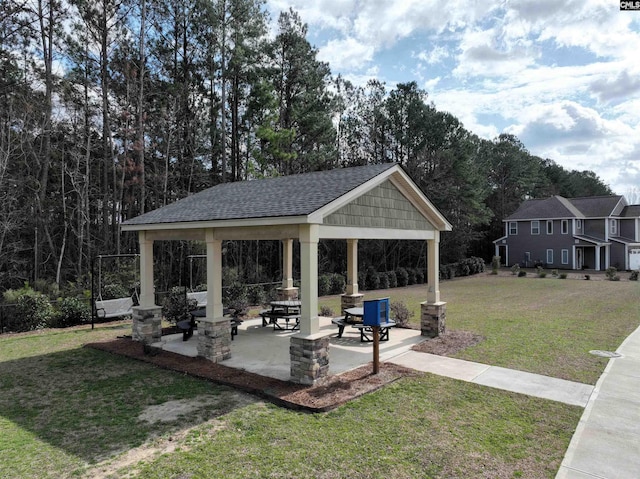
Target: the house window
(613, 230)
(549, 256)
(565, 256)
(513, 228)
(579, 224)
(549, 227)
(565, 226)
(535, 227)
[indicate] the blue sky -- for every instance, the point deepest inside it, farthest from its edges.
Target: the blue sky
(562, 75)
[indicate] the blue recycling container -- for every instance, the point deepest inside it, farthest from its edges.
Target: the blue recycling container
(376, 311)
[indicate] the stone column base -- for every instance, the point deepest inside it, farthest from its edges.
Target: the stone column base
(351, 301)
(287, 294)
(214, 339)
(309, 358)
(147, 324)
(432, 320)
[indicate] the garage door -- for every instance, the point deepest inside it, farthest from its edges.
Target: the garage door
(634, 258)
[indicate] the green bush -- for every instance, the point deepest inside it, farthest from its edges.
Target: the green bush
(256, 294)
(554, 272)
(563, 276)
(362, 281)
(326, 311)
(495, 264)
(113, 291)
(403, 277)
(176, 306)
(384, 280)
(634, 275)
(392, 279)
(235, 296)
(522, 274)
(338, 283)
(373, 280)
(400, 313)
(515, 269)
(612, 274)
(71, 312)
(33, 311)
(412, 276)
(419, 276)
(324, 285)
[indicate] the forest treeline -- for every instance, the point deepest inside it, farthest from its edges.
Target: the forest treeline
(111, 108)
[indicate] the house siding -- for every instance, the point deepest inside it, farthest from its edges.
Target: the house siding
(594, 228)
(617, 256)
(524, 242)
(627, 228)
(382, 207)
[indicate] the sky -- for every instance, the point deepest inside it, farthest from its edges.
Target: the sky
(561, 75)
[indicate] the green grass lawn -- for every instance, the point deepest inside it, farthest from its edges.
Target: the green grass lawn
(68, 411)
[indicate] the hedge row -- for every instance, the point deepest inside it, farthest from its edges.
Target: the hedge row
(466, 267)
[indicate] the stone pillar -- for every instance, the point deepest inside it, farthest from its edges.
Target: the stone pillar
(147, 324)
(432, 319)
(214, 339)
(287, 291)
(309, 358)
(351, 301)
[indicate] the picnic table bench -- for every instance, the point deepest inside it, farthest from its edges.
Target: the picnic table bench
(188, 325)
(365, 330)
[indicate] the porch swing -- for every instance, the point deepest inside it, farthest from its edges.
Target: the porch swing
(110, 308)
(200, 297)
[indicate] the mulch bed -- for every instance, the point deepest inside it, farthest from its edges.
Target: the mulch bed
(333, 392)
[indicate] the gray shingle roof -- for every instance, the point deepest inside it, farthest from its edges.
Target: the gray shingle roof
(559, 207)
(294, 195)
(631, 211)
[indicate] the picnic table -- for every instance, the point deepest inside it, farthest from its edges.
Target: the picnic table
(188, 325)
(287, 310)
(353, 316)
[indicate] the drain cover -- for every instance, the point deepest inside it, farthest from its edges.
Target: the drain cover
(605, 354)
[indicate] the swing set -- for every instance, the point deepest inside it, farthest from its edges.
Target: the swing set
(109, 308)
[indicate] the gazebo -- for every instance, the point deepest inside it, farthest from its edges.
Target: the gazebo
(364, 202)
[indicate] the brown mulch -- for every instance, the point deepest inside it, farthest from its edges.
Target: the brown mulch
(449, 343)
(333, 392)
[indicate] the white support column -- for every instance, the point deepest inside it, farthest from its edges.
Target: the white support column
(597, 258)
(352, 266)
(287, 266)
(433, 269)
(147, 290)
(214, 276)
(309, 323)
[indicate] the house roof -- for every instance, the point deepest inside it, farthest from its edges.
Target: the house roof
(293, 195)
(301, 198)
(560, 207)
(631, 211)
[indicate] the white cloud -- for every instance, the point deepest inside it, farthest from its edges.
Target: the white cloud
(348, 53)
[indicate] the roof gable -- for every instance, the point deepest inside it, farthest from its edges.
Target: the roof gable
(596, 206)
(560, 207)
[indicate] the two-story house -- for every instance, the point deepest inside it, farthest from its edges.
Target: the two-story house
(572, 233)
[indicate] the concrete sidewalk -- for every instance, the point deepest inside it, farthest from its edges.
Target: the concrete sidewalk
(568, 392)
(606, 444)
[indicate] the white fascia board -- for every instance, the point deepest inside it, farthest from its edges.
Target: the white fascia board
(409, 189)
(350, 232)
(186, 225)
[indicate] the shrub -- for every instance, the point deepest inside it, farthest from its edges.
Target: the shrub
(235, 296)
(587, 277)
(402, 276)
(326, 311)
(338, 283)
(373, 280)
(33, 311)
(541, 272)
(412, 275)
(522, 274)
(324, 285)
(634, 275)
(176, 306)
(495, 264)
(362, 281)
(419, 276)
(384, 280)
(113, 291)
(554, 272)
(400, 313)
(563, 276)
(515, 269)
(612, 274)
(256, 294)
(71, 312)
(392, 278)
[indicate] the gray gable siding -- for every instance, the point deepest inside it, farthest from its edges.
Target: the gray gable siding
(628, 228)
(382, 207)
(537, 245)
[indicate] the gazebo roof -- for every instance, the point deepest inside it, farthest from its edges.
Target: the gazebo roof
(382, 194)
